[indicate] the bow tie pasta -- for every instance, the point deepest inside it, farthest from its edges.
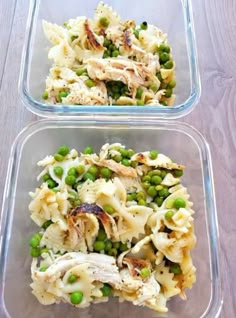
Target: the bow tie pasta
(113, 223)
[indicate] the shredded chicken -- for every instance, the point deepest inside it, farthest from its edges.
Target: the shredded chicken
(132, 73)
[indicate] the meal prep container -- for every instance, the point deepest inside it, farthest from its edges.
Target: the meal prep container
(177, 140)
(174, 17)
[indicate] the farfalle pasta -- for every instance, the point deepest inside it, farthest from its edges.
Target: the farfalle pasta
(107, 61)
(113, 223)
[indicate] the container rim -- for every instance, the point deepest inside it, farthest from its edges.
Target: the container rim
(216, 301)
(55, 111)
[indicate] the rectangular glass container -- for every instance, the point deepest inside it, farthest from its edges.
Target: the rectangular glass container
(174, 17)
(177, 140)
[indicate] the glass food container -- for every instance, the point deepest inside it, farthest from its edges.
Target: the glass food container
(177, 140)
(174, 17)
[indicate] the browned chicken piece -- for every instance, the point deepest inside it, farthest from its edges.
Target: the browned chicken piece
(132, 73)
(89, 208)
(135, 265)
(92, 37)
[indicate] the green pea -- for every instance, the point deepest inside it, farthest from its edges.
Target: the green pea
(46, 177)
(178, 173)
(108, 246)
(134, 164)
(146, 178)
(175, 269)
(58, 157)
(144, 25)
(77, 203)
(164, 103)
(104, 22)
(152, 192)
(106, 290)
(159, 201)
(112, 47)
(106, 172)
(72, 172)
(153, 87)
(72, 279)
(130, 153)
(136, 33)
(45, 95)
(117, 158)
(106, 42)
(171, 84)
(43, 268)
(158, 75)
(108, 208)
(101, 235)
(139, 93)
(164, 57)
(88, 150)
(79, 71)
(156, 180)
(34, 241)
(63, 94)
(164, 193)
(115, 53)
(156, 172)
(164, 48)
(141, 195)
(150, 173)
(80, 169)
(153, 154)
(163, 174)
(51, 183)
(116, 245)
(146, 184)
(125, 162)
(124, 152)
(140, 103)
(113, 252)
(179, 203)
(58, 171)
(169, 65)
(145, 272)
(93, 170)
(159, 187)
(89, 176)
(106, 54)
(170, 203)
(129, 197)
(44, 250)
(84, 74)
(168, 92)
(168, 215)
(123, 247)
(35, 252)
(74, 37)
(47, 224)
(142, 202)
(70, 180)
(134, 196)
(99, 246)
(90, 83)
(76, 297)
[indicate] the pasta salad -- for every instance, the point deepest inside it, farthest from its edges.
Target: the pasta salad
(114, 223)
(107, 61)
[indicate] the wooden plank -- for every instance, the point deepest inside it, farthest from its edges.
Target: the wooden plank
(214, 117)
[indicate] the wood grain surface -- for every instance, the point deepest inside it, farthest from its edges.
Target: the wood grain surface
(214, 117)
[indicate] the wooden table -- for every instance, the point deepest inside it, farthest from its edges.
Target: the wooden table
(215, 116)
